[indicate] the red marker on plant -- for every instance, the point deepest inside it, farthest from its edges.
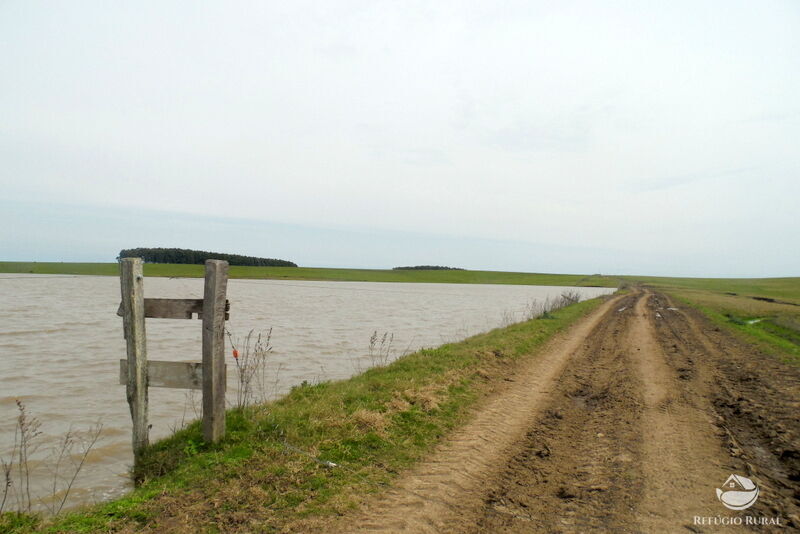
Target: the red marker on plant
(236, 354)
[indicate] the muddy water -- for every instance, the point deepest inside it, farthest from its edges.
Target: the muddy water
(60, 343)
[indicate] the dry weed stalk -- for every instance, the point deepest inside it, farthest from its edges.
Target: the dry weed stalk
(189, 401)
(27, 430)
(507, 318)
(251, 366)
(534, 308)
(18, 468)
(380, 349)
(66, 450)
(7, 479)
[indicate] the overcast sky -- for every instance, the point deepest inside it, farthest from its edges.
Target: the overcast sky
(615, 137)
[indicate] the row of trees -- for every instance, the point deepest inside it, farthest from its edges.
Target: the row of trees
(183, 255)
(427, 268)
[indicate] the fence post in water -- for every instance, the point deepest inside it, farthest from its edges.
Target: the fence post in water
(214, 308)
(132, 287)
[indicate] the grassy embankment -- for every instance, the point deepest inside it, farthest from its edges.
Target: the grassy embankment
(314, 273)
(372, 426)
(728, 302)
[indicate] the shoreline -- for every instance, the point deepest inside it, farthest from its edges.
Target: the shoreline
(173, 270)
(373, 426)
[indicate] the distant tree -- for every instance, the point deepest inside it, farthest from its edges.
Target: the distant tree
(189, 256)
(427, 268)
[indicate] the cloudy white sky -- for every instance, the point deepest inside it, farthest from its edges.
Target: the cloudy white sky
(615, 137)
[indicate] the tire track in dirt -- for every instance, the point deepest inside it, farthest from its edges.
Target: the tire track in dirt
(443, 493)
(643, 459)
(578, 468)
(684, 458)
(755, 400)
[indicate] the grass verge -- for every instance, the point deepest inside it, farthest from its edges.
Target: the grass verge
(273, 472)
(313, 273)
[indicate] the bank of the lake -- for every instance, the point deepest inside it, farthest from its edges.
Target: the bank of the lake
(320, 449)
(317, 273)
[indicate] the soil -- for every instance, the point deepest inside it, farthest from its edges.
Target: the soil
(628, 422)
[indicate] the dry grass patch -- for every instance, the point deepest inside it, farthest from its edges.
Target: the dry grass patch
(398, 404)
(426, 399)
(369, 420)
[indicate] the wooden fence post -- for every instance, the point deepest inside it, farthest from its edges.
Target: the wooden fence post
(214, 308)
(132, 287)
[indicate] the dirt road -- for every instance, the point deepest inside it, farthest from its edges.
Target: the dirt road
(626, 423)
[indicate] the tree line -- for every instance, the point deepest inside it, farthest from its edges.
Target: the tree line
(185, 255)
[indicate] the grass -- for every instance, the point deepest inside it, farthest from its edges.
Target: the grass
(271, 472)
(778, 288)
(772, 326)
(314, 273)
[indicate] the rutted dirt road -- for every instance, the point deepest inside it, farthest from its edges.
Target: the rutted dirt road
(628, 422)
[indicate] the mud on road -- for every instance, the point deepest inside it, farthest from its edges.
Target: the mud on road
(628, 422)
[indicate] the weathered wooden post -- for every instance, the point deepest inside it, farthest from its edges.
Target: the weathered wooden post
(137, 373)
(214, 379)
(132, 287)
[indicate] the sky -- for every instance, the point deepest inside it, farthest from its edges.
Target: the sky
(585, 137)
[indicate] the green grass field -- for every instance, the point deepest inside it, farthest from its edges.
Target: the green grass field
(314, 273)
(787, 289)
(728, 302)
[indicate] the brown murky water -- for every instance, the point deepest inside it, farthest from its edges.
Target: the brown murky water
(60, 343)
